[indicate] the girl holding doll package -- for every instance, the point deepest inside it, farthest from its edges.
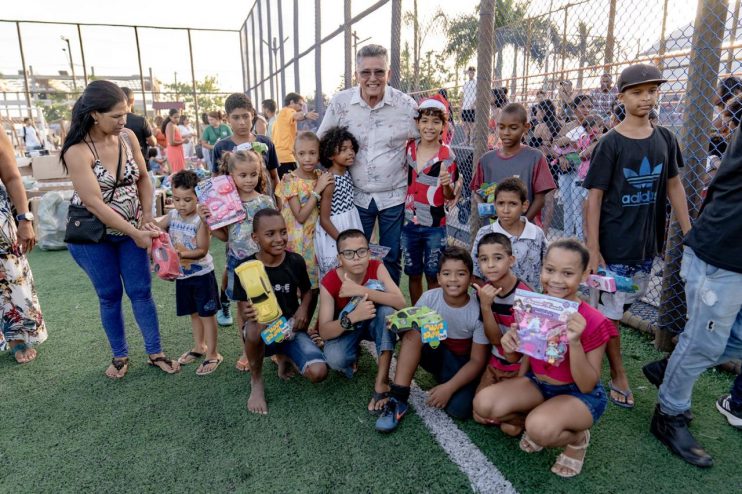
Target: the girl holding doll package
(555, 405)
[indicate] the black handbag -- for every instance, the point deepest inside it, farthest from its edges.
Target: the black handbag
(83, 227)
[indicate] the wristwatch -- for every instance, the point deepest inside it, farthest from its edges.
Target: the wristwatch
(24, 217)
(345, 322)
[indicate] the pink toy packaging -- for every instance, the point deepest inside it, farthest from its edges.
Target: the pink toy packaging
(542, 325)
(220, 195)
(165, 260)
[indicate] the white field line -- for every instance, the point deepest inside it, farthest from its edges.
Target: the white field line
(483, 476)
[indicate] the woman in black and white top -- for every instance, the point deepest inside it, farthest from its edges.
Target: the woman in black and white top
(110, 179)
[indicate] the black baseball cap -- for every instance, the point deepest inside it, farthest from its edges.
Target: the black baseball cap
(640, 73)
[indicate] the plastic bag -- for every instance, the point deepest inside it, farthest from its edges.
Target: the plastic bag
(52, 220)
(166, 263)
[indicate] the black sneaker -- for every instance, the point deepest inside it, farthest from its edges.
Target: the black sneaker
(672, 431)
(724, 405)
(655, 374)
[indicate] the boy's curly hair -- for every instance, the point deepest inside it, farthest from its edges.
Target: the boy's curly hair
(184, 179)
(238, 100)
(330, 144)
(513, 184)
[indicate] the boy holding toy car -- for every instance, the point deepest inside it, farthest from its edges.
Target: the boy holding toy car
(457, 364)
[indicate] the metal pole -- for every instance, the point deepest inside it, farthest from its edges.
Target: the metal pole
(197, 118)
(318, 101)
(526, 62)
(242, 59)
(663, 41)
(610, 39)
(254, 57)
(271, 43)
(704, 61)
(72, 65)
(82, 55)
(348, 46)
(564, 39)
(281, 54)
(297, 86)
(25, 72)
(260, 42)
(485, 48)
(395, 80)
(141, 72)
(732, 37)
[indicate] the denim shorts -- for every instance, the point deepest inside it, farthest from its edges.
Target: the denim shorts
(613, 305)
(422, 247)
(596, 400)
(301, 350)
(197, 295)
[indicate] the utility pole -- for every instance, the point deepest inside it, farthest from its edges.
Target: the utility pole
(357, 42)
(72, 66)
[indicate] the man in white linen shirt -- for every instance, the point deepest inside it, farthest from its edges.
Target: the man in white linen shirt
(382, 120)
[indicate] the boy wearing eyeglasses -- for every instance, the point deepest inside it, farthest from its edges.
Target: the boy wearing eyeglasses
(343, 326)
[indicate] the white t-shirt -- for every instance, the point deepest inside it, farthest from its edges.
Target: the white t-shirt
(469, 95)
(31, 138)
(463, 322)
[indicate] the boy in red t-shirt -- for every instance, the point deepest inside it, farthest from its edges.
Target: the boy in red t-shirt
(515, 159)
(343, 330)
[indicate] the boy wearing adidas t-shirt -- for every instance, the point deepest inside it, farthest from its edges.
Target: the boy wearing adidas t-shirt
(634, 172)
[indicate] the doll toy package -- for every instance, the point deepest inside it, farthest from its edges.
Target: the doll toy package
(542, 325)
(165, 260)
(220, 195)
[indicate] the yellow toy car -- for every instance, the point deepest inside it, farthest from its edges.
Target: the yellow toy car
(255, 281)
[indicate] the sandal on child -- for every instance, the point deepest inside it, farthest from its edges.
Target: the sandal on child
(527, 445)
(189, 357)
(201, 372)
(242, 365)
(572, 464)
(154, 362)
(627, 396)
(119, 363)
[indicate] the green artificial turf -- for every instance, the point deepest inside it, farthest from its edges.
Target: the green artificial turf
(65, 427)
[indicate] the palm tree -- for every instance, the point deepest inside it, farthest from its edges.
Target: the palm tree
(588, 50)
(420, 31)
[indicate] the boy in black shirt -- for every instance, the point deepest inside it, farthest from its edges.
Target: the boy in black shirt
(288, 275)
(634, 172)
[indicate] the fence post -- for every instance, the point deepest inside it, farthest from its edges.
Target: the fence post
(26, 88)
(347, 45)
(281, 53)
(271, 65)
(197, 117)
(395, 66)
(319, 103)
(610, 39)
(705, 59)
(297, 87)
(485, 47)
(141, 72)
(82, 54)
(254, 56)
(260, 46)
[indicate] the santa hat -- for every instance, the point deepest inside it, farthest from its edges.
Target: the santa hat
(437, 102)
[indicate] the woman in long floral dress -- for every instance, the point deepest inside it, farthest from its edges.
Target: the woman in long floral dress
(21, 322)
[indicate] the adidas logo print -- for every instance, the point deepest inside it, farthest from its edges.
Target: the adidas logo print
(646, 177)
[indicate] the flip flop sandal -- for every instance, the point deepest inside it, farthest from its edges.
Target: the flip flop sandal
(154, 361)
(573, 464)
(119, 363)
(242, 366)
(527, 445)
(217, 361)
(189, 357)
(21, 347)
(376, 397)
(626, 395)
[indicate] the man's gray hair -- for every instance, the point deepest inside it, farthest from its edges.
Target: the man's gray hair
(370, 51)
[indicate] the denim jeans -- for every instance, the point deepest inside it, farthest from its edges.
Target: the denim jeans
(390, 233)
(342, 352)
(422, 247)
(713, 333)
(107, 264)
(572, 199)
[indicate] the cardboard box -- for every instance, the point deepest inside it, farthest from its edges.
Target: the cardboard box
(47, 167)
(24, 166)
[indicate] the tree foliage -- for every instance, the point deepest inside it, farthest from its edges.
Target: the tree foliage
(209, 94)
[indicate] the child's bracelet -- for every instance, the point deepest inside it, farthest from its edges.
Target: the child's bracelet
(316, 196)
